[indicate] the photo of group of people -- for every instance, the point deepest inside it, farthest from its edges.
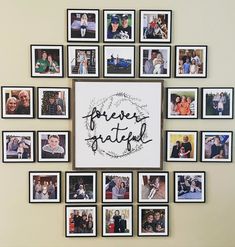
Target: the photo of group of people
(189, 186)
(191, 61)
(117, 221)
(80, 187)
(18, 146)
(153, 221)
(182, 102)
(117, 187)
(80, 221)
(44, 187)
(182, 146)
(153, 187)
(47, 61)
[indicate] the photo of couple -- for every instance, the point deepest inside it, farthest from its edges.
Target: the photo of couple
(117, 187)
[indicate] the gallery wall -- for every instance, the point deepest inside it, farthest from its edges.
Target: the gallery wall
(209, 224)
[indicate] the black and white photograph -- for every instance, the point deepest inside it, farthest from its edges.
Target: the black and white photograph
(18, 146)
(17, 102)
(44, 187)
(80, 187)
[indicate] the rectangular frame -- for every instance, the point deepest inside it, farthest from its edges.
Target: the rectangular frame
(152, 188)
(188, 200)
(61, 61)
(55, 173)
(85, 200)
(76, 207)
(124, 91)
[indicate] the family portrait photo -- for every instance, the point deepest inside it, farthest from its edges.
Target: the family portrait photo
(83, 25)
(53, 103)
(83, 61)
(53, 146)
(119, 61)
(191, 61)
(153, 220)
(189, 186)
(153, 186)
(17, 102)
(117, 186)
(217, 103)
(81, 221)
(47, 61)
(18, 146)
(117, 221)
(119, 25)
(44, 187)
(80, 187)
(155, 61)
(181, 146)
(155, 26)
(182, 103)
(216, 146)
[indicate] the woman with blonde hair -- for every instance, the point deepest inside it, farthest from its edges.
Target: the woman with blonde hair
(11, 105)
(84, 25)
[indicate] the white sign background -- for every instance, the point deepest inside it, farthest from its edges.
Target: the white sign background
(144, 98)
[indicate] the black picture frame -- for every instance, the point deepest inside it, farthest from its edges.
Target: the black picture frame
(155, 74)
(4, 115)
(46, 49)
(204, 50)
(188, 200)
(118, 207)
(96, 12)
(182, 158)
(215, 107)
(166, 190)
(80, 173)
(155, 12)
(53, 173)
(123, 201)
(55, 160)
(151, 208)
(223, 138)
(183, 89)
(54, 89)
(16, 152)
(116, 75)
(96, 48)
(82, 207)
(118, 13)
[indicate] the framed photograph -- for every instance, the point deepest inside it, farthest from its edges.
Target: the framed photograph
(18, 146)
(189, 186)
(217, 103)
(83, 61)
(216, 146)
(191, 61)
(155, 26)
(155, 61)
(44, 187)
(47, 61)
(117, 187)
(83, 25)
(153, 221)
(53, 146)
(119, 26)
(117, 221)
(17, 102)
(53, 102)
(182, 103)
(80, 221)
(181, 146)
(119, 61)
(80, 187)
(153, 187)
(118, 124)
